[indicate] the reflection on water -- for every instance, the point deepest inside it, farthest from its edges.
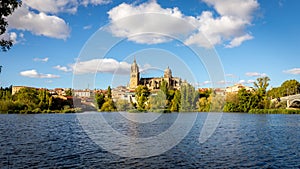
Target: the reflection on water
(240, 141)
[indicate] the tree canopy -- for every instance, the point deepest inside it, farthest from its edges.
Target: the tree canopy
(7, 7)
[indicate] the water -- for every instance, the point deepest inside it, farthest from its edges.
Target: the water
(240, 141)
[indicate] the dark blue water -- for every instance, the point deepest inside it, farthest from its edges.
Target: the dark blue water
(240, 141)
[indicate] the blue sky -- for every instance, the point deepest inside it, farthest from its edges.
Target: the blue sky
(58, 42)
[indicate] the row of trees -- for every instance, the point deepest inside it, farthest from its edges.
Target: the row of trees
(165, 100)
(188, 99)
(30, 100)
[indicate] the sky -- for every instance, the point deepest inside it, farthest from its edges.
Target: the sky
(92, 43)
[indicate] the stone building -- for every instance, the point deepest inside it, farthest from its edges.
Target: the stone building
(152, 82)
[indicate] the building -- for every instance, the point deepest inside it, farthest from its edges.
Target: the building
(16, 89)
(152, 82)
(83, 93)
(237, 87)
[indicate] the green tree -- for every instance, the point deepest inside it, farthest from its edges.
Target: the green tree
(262, 84)
(7, 7)
(175, 103)
(158, 101)
(108, 106)
(260, 95)
(100, 99)
(109, 92)
(290, 87)
(141, 94)
(27, 96)
(189, 98)
(123, 105)
(69, 92)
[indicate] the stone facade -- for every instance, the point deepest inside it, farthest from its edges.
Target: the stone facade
(152, 82)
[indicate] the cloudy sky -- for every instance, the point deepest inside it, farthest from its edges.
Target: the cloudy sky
(61, 43)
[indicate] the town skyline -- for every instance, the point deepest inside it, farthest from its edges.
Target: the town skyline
(250, 43)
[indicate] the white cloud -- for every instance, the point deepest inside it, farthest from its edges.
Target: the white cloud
(53, 6)
(34, 74)
(234, 8)
(106, 65)
(231, 75)
(294, 71)
(250, 81)
(41, 59)
(152, 29)
(62, 68)
(246, 81)
(12, 36)
(87, 27)
(57, 6)
(38, 23)
(255, 74)
(95, 2)
(239, 40)
(229, 27)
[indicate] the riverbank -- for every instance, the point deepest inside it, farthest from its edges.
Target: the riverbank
(274, 111)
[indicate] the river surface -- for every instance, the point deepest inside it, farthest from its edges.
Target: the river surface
(239, 141)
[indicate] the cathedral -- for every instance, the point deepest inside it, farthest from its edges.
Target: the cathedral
(152, 82)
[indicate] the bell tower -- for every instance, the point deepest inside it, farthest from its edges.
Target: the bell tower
(134, 75)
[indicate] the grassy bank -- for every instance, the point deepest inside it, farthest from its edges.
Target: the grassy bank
(274, 111)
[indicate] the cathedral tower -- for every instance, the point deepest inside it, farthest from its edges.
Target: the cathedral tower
(134, 75)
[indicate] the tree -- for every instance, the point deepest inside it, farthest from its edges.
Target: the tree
(262, 84)
(69, 92)
(108, 106)
(7, 7)
(141, 94)
(290, 87)
(175, 103)
(109, 92)
(158, 102)
(122, 105)
(189, 98)
(100, 100)
(27, 96)
(261, 92)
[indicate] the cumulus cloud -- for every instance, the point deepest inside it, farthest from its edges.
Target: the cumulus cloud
(34, 74)
(228, 28)
(41, 59)
(239, 40)
(38, 23)
(234, 8)
(40, 17)
(255, 74)
(57, 6)
(62, 68)
(53, 6)
(95, 2)
(106, 65)
(152, 29)
(294, 71)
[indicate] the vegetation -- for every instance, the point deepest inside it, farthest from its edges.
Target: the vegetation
(105, 103)
(7, 7)
(187, 99)
(30, 100)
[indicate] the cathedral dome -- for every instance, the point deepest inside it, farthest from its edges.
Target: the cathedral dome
(168, 73)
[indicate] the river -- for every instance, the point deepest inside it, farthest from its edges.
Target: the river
(61, 141)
